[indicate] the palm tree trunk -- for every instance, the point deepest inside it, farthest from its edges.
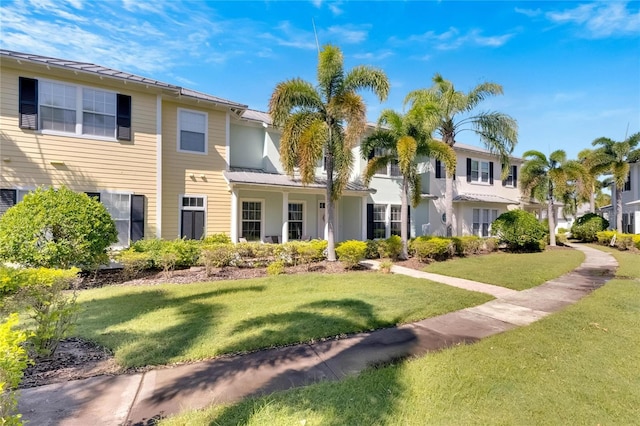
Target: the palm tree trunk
(448, 199)
(331, 245)
(618, 209)
(403, 221)
(551, 218)
(592, 199)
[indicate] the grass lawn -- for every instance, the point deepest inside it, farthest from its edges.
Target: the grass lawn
(517, 271)
(152, 325)
(578, 366)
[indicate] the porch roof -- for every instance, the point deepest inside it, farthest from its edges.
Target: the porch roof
(633, 203)
(264, 178)
(483, 198)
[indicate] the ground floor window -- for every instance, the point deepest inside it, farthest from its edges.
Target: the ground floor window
(396, 220)
(251, 220)
(379, 221)
(119, 207)
(192, 217)
(482, 219)
(295, 219)
(627, 223)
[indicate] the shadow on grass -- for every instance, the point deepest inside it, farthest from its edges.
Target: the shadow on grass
(196, 316)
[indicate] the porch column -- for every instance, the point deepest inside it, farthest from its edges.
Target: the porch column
(285, 217)
(234, 215)
(363, 224)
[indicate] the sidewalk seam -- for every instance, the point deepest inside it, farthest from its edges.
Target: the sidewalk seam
(127, 420)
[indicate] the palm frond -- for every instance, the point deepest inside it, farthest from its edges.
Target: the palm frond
(330, 71)
(294, 129)
(364, 77)
(481, 92)
(291, 95)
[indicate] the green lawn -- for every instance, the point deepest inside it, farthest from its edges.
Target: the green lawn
(152, 325)
(578, 366)
(517, 271)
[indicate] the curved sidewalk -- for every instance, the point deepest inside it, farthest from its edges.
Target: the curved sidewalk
(137, 398)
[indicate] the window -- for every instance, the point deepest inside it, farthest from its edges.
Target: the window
(98, 113)
(479, 171)
(627, 183)
(66, 108)
(482, 219)
(10, 197)
(192, 131)
(251, 220)
(512, 177)
(119, 207)
(192, 217)
(379, 221)
(627, 223)
(396, 220)
(441, 171)
(391, 169)
(295, 218)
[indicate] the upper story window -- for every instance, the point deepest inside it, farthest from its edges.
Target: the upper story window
(391, 169)
(627, 183)
(479, 171)
(192, 131)
(76, 110)
(512, 177)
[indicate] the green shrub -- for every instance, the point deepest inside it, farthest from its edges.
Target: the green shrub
(149, 245)
(41, 294)
(471, 244)
(604, 237)
(57, 229)
(636, 240)
(586, 227)
(458, 247)
(133, 262)
(391, 247)
(13, 361)
(519, 231)
(373, 251)
(624, 241)
(320, 249)
(276, 268)
(435, 248)
(562, 239)
(186, 252)
(351, 252)
(385, 266)
(217, 256)
(412, 242)
(490, 244)
(216, 239)
(562, 230)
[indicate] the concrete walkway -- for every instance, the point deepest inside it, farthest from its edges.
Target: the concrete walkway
(136, 398)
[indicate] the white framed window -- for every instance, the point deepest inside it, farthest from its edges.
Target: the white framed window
(192, 216)
(480, 171)
(395, 220)
(58, 106)
(295, 218)
(380, 221)
(119, 207)
(192, 131)
(391, 169)
(252, 219)
(98, 113)
(482, 219)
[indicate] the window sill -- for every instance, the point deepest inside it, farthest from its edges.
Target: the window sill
(184, 151)
(480, 183)
(77, 136)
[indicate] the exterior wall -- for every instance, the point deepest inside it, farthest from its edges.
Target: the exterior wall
(193, 173)
(31, 158)
(350, 218)
(247, 144)
(271, 161)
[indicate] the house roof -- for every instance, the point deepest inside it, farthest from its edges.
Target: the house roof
(464, 147)
(483, 198)
(254, 115)
(264, 178)
(100, 70)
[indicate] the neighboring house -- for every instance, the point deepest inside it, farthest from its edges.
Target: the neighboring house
(152, 153)
(171, 162)
(630, 203)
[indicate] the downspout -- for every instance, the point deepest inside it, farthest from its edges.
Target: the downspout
(159, 166)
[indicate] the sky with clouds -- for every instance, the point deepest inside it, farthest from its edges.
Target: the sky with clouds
(570, 70)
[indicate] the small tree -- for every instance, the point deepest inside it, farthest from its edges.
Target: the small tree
(519, 230)
(57, 229)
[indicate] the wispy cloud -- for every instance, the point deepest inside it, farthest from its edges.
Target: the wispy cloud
(345, 34)
(374, 56)
(531, 13)
(453, 39)
(600, 20)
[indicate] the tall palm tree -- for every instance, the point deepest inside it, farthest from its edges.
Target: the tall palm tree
(615, 158)
(402, 139)
(325, 120)
(589, 185)
(450, 111)
(549, 179)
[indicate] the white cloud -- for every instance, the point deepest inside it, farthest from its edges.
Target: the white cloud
(345, 34)
(335, 9)
(453, 39)
(600, 20)
(531, 13)
(370, 56)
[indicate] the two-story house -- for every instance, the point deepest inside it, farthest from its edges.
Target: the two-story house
(630, 203)
(153, 153)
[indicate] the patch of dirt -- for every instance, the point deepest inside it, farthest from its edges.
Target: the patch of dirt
(76, 358)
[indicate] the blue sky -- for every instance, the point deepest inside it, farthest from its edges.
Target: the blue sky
(570, 70)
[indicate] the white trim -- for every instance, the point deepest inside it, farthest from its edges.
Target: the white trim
(192, 208)
(227, 154)
(262, 214)
(479, 181)
(363, 217)
(304, 217)
(285, 217)
(158, 166)
(234, 214)
(206, 131)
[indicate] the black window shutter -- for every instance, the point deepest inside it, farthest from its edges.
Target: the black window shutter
(408, 221)
(515, 176)
(491, 172)
(8, 198)
(137, 217)
(124, 118)
(28, 103)
(468, 169)
(504, 181)
(438, 169)
(369, 221)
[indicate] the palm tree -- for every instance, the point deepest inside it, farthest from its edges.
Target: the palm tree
(589, 185)
(549, 179)
(449, 112)
(615, 157)
(325, 120)
(402, 139)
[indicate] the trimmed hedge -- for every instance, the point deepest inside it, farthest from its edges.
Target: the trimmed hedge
(587, 227)
(519, 230)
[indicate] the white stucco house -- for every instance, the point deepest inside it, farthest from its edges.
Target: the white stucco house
(630, 203)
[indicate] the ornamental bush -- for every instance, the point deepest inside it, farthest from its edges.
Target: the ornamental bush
(435, 248)
(351, 252)
(586, 227)
(391, 247)
(13, 361)
(519, 231)
(57, 229)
